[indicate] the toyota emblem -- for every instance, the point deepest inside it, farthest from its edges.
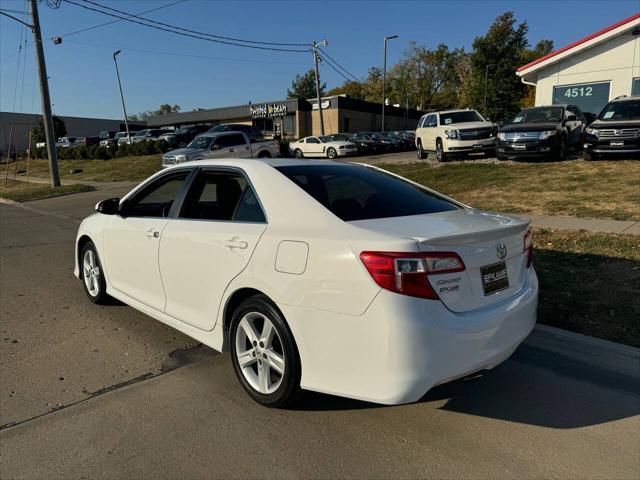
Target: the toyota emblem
(501, 250)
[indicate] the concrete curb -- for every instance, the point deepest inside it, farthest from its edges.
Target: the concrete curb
(6, 201)
(13, 203)
(594, 352)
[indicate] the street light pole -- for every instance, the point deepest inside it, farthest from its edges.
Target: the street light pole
(315, 45)
(384, 75)
(124, 109)
(486, 81)
(45, 97)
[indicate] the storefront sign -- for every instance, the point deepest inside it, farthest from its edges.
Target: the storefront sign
(268, 111)
(326, 104)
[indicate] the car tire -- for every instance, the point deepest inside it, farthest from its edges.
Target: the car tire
(421, 153)
(331, 153)
(92, 275)
(255, 352)
(264, 154)
(561, 152)
(441, 156)
(501, 156)
(589, 157)
(298, 153)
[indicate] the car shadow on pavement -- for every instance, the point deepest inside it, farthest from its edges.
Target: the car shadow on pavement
(534, 387)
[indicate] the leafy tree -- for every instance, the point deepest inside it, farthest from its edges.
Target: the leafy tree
(304, 86)
(542, 48)
(165, 109)
(59, 130)
(503, 47)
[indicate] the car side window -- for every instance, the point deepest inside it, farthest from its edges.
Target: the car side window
(156, 199)
(221, 196)
(313, 140)
(235, 140)
(431, 121)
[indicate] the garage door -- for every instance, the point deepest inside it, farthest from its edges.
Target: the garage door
(590, 97)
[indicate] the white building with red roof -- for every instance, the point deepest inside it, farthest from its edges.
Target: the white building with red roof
(590, 71)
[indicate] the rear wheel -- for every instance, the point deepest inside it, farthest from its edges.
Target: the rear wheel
(264, 154)
(421, 153)
(264, 354)
(440, 155)
(92, 275)
(298, 153)
(331, 152)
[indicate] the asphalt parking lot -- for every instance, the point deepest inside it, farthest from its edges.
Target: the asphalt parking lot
(106, 392)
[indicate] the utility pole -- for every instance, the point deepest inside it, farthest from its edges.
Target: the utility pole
(315, 45)
(384, 75)
(486, 82)
(44, 95)
(124, 109)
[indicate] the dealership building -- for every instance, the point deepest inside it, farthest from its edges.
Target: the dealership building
(297, 118)
(591, 71)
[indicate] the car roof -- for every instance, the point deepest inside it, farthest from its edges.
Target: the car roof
(625, 98)
(455, 110)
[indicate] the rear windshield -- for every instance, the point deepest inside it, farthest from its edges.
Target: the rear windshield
(352, 192)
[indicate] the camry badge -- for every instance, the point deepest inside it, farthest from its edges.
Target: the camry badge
(501, 250)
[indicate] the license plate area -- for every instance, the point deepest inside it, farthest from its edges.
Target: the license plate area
(616, 143)
(494, 278)
(519, 146)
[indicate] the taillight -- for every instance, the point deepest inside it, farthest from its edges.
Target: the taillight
(528, 246)
(407, 273)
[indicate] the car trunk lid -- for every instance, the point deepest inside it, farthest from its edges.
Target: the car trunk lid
(490, 245)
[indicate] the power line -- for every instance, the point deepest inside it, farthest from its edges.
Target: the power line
(16, 19)
(176, 54)
(329, 58)
(218, 38)
(119, 20)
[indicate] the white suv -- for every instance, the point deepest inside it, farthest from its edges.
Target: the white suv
(454, 132)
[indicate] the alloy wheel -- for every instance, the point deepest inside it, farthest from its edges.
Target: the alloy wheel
(331, 153)
(91, 273)
(260, 353)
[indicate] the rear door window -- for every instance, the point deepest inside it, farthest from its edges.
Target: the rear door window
(353, 192)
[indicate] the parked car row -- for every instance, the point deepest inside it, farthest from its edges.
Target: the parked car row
(345, 144)
(536, 132)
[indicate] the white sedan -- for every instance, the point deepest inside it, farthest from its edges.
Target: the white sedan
(316, 275)
(322, 147)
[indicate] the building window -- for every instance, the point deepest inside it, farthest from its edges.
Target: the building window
(635, 86)
(288, 125)
(589, 97)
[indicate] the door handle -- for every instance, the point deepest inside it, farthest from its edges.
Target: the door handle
(152, 233)
(236, 244)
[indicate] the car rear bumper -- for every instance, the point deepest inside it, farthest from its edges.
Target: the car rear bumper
(403, 346)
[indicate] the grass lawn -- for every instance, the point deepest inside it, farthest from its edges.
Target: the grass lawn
(589, 283)
(22, 191)
(133, 169)
(606, 189)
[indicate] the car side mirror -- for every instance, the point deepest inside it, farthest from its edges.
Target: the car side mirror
(109, 206)
(571, 118)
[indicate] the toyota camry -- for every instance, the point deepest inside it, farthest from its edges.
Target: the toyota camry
(316, 275)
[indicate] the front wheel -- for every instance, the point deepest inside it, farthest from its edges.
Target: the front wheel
(92, 275)
(331, 153)
(421, 153)
(440, 155)
(589, 156)
(264, 354)
(561, 153)
(298, 153)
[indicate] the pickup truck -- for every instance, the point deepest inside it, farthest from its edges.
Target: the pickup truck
(222, 145)
(61, 142)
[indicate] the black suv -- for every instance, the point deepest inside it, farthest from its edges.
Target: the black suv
(183, 136)
(616, 130)
(542, 132)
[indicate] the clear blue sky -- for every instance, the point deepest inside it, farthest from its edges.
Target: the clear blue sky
(155, 69)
